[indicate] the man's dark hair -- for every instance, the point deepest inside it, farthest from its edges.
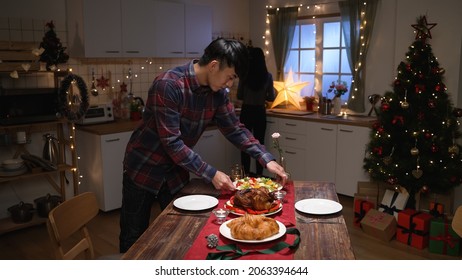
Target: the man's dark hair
(230, 53)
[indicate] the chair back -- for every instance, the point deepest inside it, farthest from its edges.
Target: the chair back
(457, 221)
(67, 221)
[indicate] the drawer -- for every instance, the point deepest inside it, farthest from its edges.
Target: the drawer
(293, 140)
(292, 126)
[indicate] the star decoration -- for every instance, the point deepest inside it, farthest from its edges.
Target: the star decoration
(102, 82)
(288, 91)
(123, 87)
(423, 28)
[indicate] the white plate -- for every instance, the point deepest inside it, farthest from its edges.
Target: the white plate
(318, 206)
(265, 214)
(226, 232)
(195, 202)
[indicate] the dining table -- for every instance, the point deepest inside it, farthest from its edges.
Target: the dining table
(178, 234)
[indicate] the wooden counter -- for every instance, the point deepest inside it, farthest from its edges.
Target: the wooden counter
(173, 232)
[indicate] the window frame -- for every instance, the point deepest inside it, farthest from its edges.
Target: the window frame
(319, 88)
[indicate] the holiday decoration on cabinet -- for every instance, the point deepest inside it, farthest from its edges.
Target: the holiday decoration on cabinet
(413, 143)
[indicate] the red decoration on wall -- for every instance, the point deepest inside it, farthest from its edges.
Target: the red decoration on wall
(123, 87)
(102, 82)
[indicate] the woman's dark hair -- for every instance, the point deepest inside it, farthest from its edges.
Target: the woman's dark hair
(228, 52)
(258, 73)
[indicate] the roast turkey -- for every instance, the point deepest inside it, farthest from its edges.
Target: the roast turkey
(254, 198)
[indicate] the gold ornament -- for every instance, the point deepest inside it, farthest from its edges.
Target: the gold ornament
(417, 173)
(453, 150)
(414, 151)
(404, 104)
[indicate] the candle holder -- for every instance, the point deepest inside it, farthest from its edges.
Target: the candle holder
(220, 215)
(280, 194)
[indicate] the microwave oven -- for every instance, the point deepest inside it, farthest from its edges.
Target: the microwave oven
(28, 105)
(100, 113)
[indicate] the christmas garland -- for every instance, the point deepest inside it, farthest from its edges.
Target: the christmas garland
(65, 107)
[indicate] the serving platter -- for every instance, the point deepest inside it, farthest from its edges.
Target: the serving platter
(228, 205)
(257, 182)
(318, 206)
(195, 202)
(226, 232)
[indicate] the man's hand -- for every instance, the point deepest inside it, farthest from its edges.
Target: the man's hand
(275, 168)
(221, 181)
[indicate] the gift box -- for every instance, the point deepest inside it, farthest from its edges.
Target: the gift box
(413, 228)
(443, 239)
(369, 191)
(393, 202)
(437, 205)
(382, 187)
(361, 206)
(379, 225)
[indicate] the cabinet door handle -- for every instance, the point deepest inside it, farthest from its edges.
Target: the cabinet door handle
(132, 52)
(112, 140)
(193, 52)
(207, 136)
(327, 129)
(291, 138)
(111, 51)
(291, 124)
(176, 52)
(292, 153)
(346, 130)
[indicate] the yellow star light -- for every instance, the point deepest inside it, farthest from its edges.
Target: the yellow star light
(288, 91)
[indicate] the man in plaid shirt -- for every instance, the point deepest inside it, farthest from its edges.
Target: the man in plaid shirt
(181, 103)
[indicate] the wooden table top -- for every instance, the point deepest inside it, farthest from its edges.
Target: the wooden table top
(170, 236)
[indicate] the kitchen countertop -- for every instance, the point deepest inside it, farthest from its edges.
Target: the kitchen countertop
(128, 125)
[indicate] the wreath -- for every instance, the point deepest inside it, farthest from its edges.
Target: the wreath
(66, 108)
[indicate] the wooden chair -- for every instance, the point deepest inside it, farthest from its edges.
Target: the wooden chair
(69, 219)
(457, 221)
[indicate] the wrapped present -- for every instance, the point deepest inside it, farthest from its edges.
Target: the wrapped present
(436, 209)
(393, 202)
(368, 190)
(379, 225)
(361, 207)
(437, 204)
(413, 228)
(443, 239)
(382, 188)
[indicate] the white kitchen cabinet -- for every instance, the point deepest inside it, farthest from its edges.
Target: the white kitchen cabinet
(211, 148)
(115, 28)
(351, 146)
(321, 151)
(181, 30)
(102, 36)
(198, 29)
(100, 166)
(293, 144)
(169, 29)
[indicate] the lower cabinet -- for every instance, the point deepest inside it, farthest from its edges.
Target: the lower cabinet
(321, 153)
(351, 147)
(100, 166)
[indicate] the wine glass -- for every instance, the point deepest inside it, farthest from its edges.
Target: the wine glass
(237, 172)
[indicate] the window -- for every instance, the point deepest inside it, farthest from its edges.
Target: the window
(318, 55)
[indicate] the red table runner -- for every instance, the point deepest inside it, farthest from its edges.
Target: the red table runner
(199, 249)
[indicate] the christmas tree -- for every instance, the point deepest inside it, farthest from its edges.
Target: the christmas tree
(413, 142)
(53, 53)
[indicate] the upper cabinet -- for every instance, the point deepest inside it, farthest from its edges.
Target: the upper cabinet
(137, 28)
(198, 29)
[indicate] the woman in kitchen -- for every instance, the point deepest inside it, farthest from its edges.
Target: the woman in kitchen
(254, 91)
(181, 103)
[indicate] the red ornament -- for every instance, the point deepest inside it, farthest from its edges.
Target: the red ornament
(408, 67)
(385, 107)
(428, 135)
(434, 148)
(423, 28)
(431, 104)
(392, 180)
(378, 150)
(102, 82)
(425, 189)
(398, 120)
(397, 83)
(421, 76)
(123, 87)
(419, 88)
